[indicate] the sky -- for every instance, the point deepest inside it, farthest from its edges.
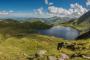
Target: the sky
(43, 8)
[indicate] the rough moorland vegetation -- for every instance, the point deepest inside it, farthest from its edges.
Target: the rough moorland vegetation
(26, 48)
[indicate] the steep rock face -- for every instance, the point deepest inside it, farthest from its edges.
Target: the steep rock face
(84, 21)
(84, 18)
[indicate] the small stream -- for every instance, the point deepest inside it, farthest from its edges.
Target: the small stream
(67, 33)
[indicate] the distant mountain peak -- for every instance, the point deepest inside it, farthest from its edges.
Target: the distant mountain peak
(84, 17)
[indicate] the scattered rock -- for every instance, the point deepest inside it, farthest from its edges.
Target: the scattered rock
(76, 55)
(41, 53)
(52, 58)
(64, 57)
(86, 57)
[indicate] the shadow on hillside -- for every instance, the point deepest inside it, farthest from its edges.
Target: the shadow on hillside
(84, 36)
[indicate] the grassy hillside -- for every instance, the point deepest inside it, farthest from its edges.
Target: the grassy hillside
(21, 28)
(21, 41)
(14, 48)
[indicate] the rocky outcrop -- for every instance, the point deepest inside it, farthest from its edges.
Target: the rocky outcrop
(86, 57)
(42, 56)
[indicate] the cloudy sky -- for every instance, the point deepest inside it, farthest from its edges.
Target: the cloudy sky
(43, 8)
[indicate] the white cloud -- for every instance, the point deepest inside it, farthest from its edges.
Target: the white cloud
(88, 2)
(4, 12)
(57, 10)
(75, 10)
(16, 14)
(11, 11)
(46, 2)
(78, 9)
(50, 3)
(39, 11)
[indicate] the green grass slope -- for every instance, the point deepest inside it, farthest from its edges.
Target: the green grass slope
(14, 48)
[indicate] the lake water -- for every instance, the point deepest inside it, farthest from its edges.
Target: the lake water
(67, 33)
